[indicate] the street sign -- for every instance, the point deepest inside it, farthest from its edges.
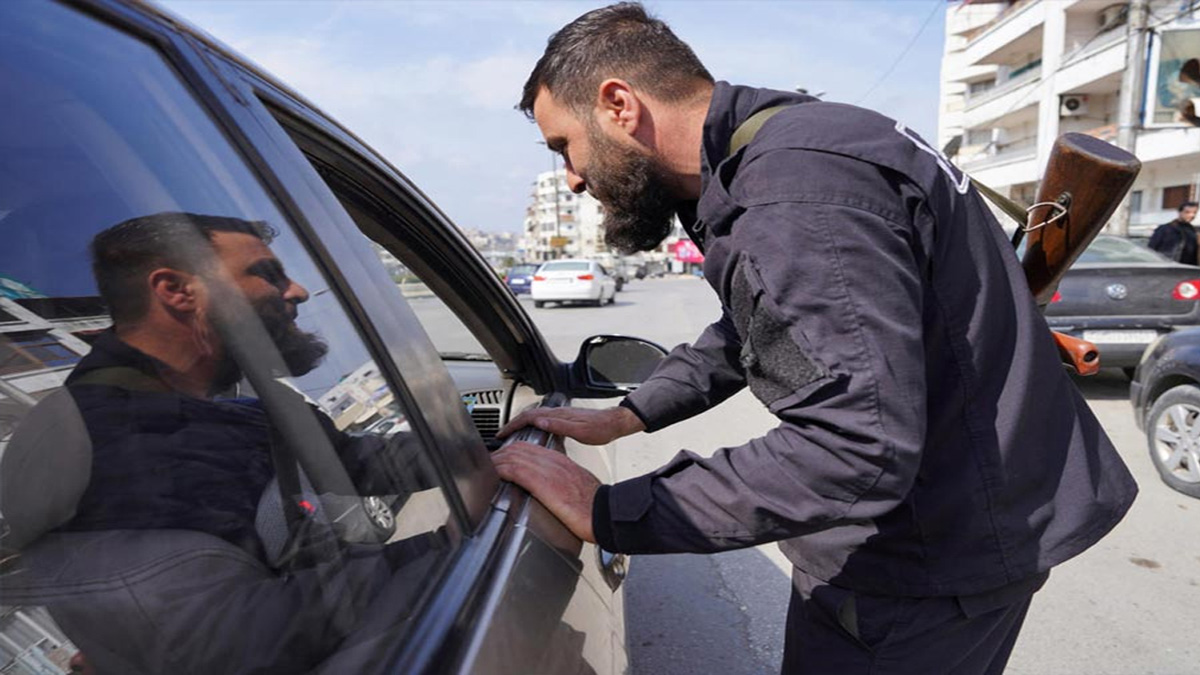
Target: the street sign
(559, 242)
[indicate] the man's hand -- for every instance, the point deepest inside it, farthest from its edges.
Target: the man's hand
(562, 486)
(590, 427)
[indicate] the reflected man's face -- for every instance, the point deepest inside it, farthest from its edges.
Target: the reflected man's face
(255, 271)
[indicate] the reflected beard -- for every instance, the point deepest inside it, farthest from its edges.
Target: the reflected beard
(301, 351)
(638, 207)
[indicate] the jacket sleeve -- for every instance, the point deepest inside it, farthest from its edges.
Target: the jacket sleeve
(692, 379)
(830, 300)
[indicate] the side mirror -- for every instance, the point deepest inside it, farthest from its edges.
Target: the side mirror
(611, 365)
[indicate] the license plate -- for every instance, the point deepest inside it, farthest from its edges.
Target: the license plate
(518, 281)
(1120, 337)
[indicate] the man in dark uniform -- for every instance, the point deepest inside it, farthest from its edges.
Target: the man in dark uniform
(932, 461)
(1177, 239)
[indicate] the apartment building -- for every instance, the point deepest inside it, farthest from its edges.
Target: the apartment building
(560, 223)
(1016, 75)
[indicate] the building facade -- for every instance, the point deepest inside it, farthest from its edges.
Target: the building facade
(560, 223)
(1016, 75)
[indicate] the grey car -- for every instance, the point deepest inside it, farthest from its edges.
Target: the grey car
(116, 111)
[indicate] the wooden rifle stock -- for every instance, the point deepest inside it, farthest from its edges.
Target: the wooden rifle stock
(1085, 180)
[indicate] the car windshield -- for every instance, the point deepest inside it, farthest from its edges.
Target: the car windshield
(566, 266)
(522, 269)
(1111, 249)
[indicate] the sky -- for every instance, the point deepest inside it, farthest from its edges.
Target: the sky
(432, 85)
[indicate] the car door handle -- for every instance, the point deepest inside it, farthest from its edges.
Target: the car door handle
(613, 567)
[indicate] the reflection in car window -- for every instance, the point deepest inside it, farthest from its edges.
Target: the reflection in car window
(182, 395)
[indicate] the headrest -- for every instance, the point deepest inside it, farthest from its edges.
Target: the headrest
(44, 470)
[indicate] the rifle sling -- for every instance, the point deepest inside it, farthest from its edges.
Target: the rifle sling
(746, 131)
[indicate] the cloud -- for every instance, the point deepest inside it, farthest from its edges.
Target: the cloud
(431, 85)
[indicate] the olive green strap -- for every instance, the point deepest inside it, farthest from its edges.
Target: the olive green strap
(747, 130)
(123, 377)
(1009, 207)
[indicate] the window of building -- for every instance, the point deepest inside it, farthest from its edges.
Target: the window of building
(1135, 201)
(1174, 196)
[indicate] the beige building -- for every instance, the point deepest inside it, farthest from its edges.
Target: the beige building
(1016, 75)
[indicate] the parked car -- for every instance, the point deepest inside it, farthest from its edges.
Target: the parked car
(573, 280)
(1165, 393)
(519, 278)
(118, 113)
(1122, 296)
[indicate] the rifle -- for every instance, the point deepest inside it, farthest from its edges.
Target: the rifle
(1086, 178)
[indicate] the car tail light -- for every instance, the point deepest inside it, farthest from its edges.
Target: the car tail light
(1057, 297)
(1187, 290)
(586, 277)
(538, 277)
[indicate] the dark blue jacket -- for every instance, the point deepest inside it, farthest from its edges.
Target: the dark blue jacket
(1177, 241)
(929, 440)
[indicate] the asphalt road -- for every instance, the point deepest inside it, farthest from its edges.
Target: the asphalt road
(1128, 606)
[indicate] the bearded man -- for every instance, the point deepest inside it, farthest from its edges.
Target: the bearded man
(932, 461)
(179, 575)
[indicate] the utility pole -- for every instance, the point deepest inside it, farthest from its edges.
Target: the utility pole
(1129, 106)
(557, 217)
(555, 250)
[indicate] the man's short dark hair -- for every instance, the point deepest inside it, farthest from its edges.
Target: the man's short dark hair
(620, 40)
(1187, 205)
(125, 253)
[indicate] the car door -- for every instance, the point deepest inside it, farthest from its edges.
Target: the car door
(549, 602)
(499, 586)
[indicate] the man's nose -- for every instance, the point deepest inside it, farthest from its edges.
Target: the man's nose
(295, 293)
(575, 182)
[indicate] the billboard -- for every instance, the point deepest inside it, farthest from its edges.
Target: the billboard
(1177, 82)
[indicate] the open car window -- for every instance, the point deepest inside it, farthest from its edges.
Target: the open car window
(203, 465)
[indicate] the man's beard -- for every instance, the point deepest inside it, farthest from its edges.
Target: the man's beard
(638, 207)
(301, 351)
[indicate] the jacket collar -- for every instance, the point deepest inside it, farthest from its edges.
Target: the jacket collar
(729, 107)
(109, 351)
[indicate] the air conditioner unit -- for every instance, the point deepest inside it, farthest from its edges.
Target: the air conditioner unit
(1072, 105)
(1113, 16)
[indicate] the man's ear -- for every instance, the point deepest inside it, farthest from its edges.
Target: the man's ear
(619, 105)
(176, 290)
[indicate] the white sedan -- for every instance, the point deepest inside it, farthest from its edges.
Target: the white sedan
(572, 280)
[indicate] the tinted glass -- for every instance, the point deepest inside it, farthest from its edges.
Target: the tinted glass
(200, 415)
(1110, 249)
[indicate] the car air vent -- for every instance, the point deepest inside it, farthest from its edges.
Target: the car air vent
(493, 397)
(487, 422)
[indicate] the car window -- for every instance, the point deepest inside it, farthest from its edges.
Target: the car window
(1106, 249)
(182, 391)
(522, 270)
(1110, 249)
(565, 266)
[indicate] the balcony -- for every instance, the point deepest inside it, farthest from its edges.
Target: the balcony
(996, 154)
(1008, 97)
(1016, 32)
(1170, 143)
(1095, 68)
